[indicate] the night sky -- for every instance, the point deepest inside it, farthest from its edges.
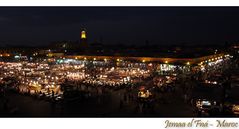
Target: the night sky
(119, 25)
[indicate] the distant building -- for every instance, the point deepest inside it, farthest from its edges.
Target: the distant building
(83, 39)
(12, 51)
(63, 45)
(55, 54)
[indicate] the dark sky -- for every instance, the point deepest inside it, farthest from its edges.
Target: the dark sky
(119, 25)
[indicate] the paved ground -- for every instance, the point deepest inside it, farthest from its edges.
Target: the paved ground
(108, 105)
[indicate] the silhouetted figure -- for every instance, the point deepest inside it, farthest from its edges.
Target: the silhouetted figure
(53, 94)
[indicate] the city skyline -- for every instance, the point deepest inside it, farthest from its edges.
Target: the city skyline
(119, 25)
(119, 62)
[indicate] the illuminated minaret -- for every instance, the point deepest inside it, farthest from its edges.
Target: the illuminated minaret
(83, 39)
(83, 35)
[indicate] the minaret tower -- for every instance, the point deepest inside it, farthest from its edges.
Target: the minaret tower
(83, 35)
(83, 38)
